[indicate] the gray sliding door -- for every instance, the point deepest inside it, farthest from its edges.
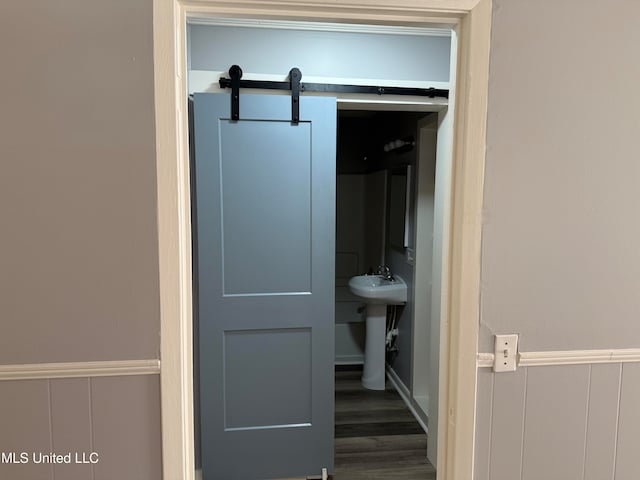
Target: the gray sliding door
(264, 197)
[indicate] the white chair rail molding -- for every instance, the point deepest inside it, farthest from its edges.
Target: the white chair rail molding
(549, 358)
(109, 368)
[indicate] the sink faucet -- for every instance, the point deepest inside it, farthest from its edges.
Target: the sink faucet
(385, 272)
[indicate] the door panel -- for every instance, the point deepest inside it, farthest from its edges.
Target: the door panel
(250, 355)
(273, 169)
(264, 242)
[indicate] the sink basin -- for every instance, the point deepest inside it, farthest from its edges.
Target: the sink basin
(376, 289)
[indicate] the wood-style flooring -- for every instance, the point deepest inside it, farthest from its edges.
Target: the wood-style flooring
(377, 438)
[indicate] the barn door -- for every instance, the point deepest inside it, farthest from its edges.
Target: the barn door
(264, 233)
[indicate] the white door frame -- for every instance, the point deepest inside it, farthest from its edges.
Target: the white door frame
(471, 20)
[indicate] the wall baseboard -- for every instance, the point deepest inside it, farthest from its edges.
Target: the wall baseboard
(405, 394)
(349, 360)
(112, 368)
(567, 357)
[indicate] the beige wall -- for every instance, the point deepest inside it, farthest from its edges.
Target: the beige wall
(77, 185)
(78, 242)
(560, 256)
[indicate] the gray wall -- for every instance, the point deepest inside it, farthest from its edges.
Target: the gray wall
(401, 360)
(558, 423)
(116, 417)
(79, 251)
(401, 126)
(560, 263)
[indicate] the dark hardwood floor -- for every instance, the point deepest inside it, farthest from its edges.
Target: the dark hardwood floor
(376, 436)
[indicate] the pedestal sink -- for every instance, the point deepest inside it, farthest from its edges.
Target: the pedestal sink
(377, 292)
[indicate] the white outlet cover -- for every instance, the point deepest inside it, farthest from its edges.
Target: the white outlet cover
(410, 256)
(505, 353)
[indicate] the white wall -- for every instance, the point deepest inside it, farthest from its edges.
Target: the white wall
(424, 271)
(359, 238)
(374, 218)
(350, 232)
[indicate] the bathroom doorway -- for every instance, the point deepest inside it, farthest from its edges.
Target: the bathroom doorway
(257, 306)
(385, 216)
(269, 312)
(470, 23)
(389, 105)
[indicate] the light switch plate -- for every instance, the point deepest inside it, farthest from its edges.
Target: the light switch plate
(506, 353)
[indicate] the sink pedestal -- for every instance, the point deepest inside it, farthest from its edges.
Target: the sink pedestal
(378, 291)
(373, 375)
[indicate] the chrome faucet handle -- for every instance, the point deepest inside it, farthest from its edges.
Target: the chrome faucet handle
(385, 271)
